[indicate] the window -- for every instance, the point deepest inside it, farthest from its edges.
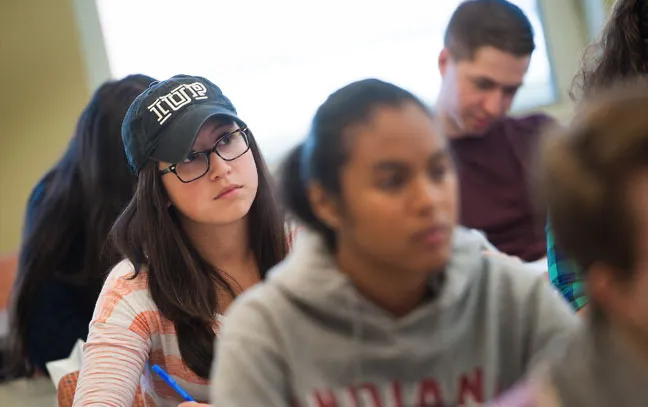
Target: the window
(279, 60)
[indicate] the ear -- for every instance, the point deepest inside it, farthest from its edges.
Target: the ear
(325, 207)
(605, 289)
(444, 60)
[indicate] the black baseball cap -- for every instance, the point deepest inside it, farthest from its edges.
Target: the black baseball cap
(163, 122)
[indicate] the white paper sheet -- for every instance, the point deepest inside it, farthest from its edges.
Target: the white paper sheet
(59, 368)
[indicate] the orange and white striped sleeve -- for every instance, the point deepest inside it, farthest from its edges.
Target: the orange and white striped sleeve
(118, 343)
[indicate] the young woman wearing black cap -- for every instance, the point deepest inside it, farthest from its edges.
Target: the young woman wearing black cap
(202, 227)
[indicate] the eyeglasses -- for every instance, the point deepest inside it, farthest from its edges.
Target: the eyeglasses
(229, 147)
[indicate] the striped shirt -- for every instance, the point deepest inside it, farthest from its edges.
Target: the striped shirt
(128, 335)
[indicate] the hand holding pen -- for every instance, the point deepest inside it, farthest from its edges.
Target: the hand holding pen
(175, 386)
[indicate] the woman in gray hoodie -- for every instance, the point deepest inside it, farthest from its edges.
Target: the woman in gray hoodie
(384, 301)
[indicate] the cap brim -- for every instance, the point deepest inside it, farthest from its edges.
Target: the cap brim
(178, 138)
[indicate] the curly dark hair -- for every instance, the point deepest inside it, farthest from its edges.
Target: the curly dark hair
(619, 54)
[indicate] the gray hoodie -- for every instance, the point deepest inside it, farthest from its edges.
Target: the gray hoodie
(306, 337)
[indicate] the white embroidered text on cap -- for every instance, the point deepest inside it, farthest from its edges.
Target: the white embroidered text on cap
(164, 106)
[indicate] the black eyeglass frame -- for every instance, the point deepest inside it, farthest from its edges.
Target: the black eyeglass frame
(206, 153)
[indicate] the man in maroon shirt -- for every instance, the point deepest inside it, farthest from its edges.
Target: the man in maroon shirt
(487, 49)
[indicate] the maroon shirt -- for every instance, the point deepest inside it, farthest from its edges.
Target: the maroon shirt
(496, 189)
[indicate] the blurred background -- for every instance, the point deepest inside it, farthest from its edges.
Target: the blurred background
(277, 60)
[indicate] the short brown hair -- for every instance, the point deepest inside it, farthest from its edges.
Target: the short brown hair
(588, 168)
(497, 23)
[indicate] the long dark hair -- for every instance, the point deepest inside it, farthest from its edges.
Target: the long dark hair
(321, 157)
(73, 208)
(619, 54)
(184, 287)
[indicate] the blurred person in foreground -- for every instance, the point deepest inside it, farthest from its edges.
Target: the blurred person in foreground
(619, 54)
(596, 183)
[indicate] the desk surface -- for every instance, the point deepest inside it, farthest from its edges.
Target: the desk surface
(28, 393)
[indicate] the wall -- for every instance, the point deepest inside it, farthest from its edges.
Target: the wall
(48, 70)
(44, 84)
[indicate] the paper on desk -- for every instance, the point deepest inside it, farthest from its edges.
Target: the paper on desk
(59, 368)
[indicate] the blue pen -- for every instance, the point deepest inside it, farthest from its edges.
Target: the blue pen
(172, 383)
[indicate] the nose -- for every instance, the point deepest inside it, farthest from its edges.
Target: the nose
(427, 196)
(494, 103)
(218, 167)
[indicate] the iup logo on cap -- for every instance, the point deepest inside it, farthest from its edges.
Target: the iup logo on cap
(164, 106)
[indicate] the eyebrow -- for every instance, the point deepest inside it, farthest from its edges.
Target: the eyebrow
(222, 124)
(479, 78)
(218, 128)
(438, 156)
